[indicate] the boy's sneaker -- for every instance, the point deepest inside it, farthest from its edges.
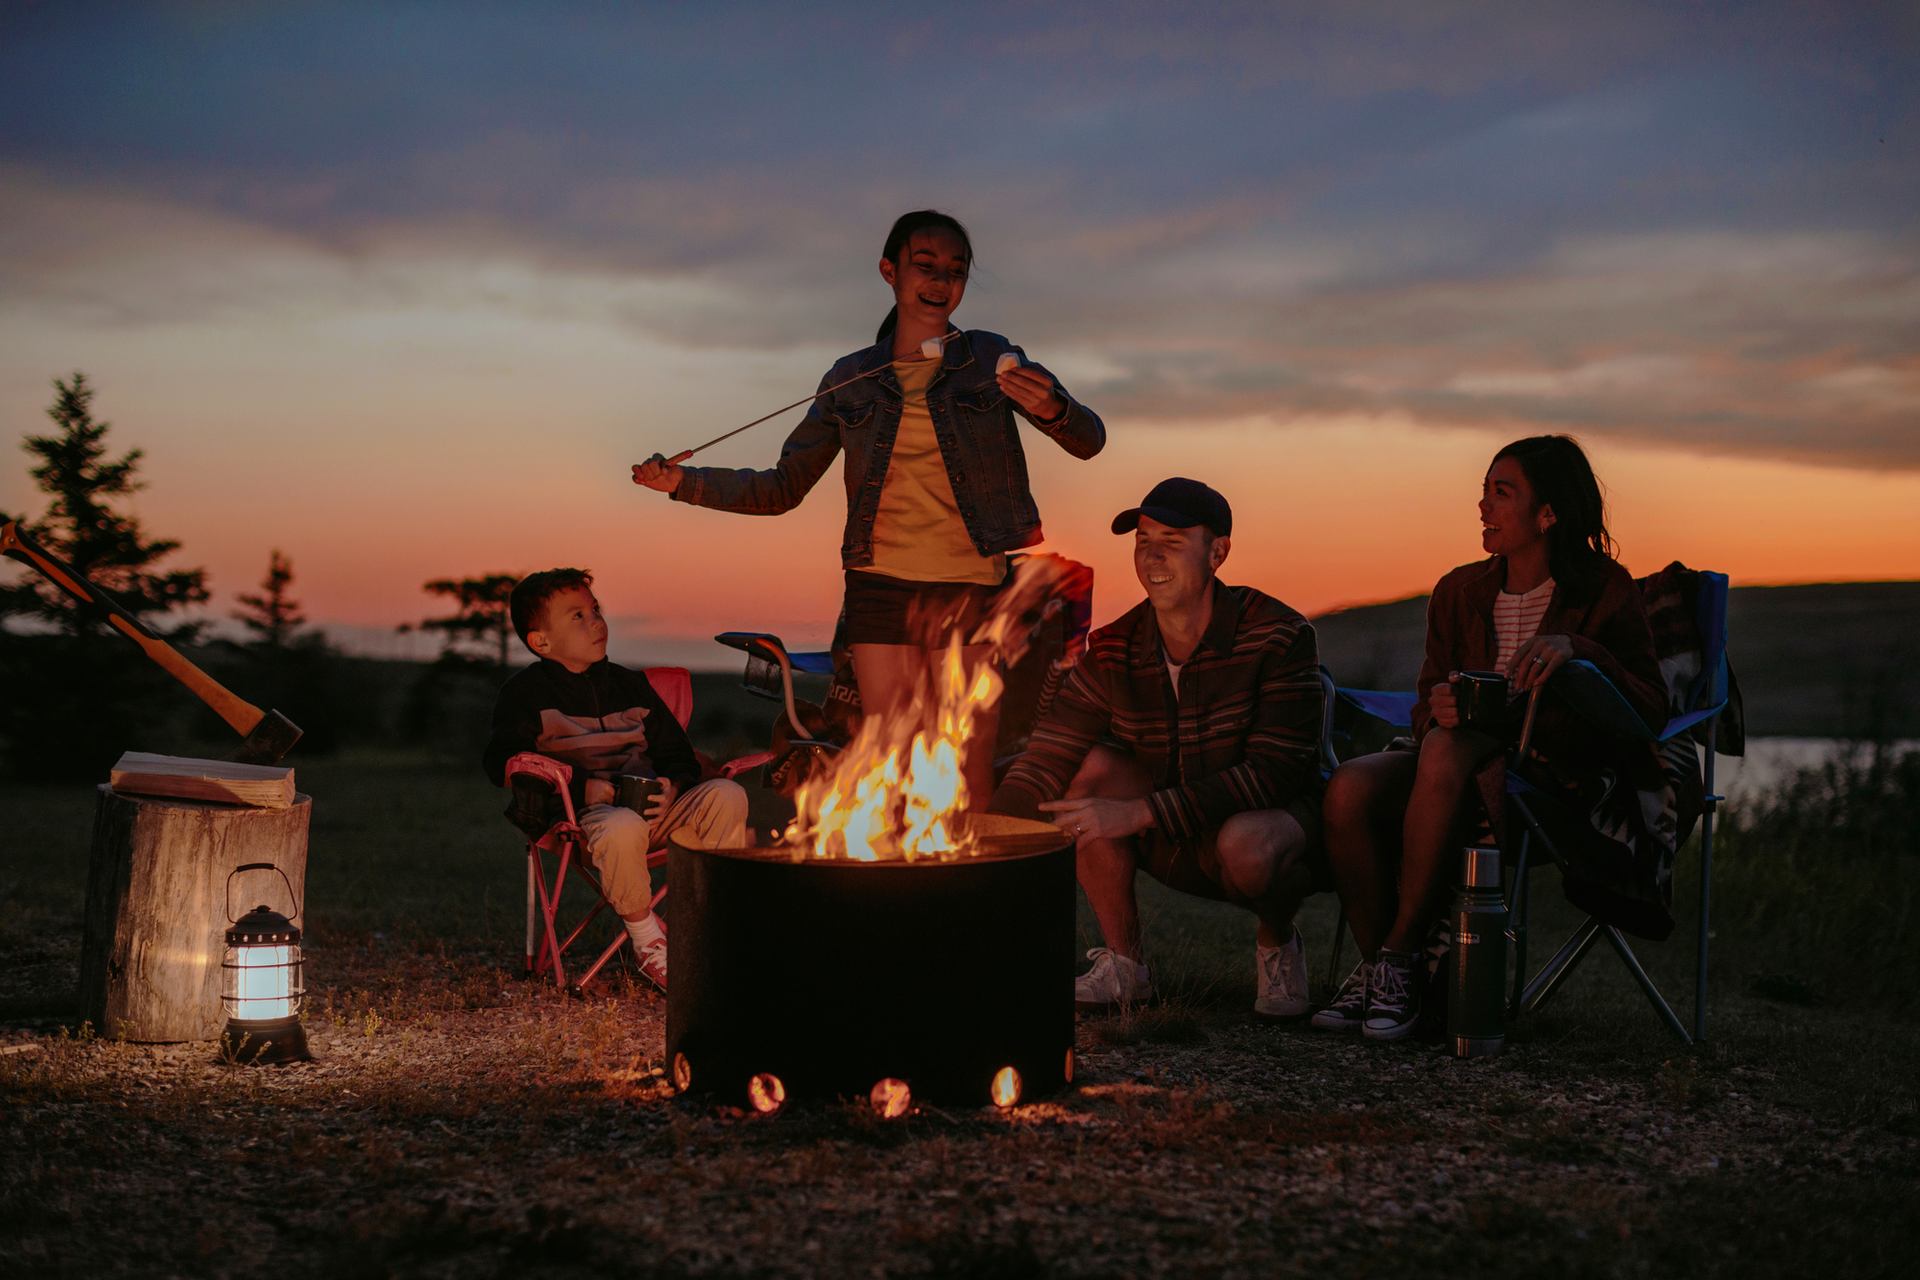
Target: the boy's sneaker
(1114, 982)
(1348, 1012)
(653, 962)
(1280, 979)
(1393, 996)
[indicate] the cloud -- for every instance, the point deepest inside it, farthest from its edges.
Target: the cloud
(1639, 221)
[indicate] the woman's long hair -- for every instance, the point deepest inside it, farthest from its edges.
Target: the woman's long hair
(896, 247)
(1578, 543)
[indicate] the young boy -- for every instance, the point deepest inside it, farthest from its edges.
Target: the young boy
(605, 720)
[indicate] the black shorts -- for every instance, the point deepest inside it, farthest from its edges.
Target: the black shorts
(884, 610)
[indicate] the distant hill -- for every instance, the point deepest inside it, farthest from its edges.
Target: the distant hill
(1825, 660)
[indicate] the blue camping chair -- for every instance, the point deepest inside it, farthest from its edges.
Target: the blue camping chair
(1595, 699)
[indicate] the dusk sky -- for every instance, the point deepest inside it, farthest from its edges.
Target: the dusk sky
(402, 290)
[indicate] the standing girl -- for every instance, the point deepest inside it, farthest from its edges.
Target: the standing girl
(936, 480)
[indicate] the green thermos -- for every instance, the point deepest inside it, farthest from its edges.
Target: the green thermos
(1476, 1007)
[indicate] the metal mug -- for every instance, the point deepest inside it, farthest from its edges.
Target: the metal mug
(1481, 699)
(636, 792)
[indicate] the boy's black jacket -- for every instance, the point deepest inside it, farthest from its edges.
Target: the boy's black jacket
(605, 720)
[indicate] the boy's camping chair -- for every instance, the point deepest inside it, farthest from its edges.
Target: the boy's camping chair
(533, 777)
(1688, 609)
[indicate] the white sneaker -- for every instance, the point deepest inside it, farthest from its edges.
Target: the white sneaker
(1114, 982)
(1280, 979)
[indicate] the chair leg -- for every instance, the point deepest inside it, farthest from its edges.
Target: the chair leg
(1519, 913)
(533, 875)
(1658, 1001)
(580, 987)
(549, 911)
(1711, 802)
(1555, 971)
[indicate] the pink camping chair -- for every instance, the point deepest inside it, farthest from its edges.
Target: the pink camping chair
(562, 844)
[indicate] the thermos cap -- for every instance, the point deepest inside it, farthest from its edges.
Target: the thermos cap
(1480, 868)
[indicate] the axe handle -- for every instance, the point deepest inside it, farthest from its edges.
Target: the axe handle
(236, 711)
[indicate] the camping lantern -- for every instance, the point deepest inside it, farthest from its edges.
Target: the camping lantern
(261, 985)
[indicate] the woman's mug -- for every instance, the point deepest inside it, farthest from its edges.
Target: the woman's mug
(1481, 698)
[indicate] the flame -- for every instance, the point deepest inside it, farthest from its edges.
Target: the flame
(899, 789)
(891, 1098)
(1006, 1087)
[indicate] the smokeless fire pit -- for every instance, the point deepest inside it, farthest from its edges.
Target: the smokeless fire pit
(946, 981)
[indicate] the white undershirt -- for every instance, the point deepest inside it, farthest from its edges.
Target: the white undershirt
(1173, 673)
(1516, 619)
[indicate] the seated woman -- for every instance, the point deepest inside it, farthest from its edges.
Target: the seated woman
(1550, 592)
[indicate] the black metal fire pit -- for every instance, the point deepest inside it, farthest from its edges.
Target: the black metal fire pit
(830, 979)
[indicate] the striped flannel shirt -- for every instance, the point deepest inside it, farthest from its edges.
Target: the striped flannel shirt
(1242, 733)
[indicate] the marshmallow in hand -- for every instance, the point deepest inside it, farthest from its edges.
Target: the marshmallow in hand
(1007, 361)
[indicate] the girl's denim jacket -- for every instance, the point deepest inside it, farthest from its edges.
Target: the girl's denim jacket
(972, 419)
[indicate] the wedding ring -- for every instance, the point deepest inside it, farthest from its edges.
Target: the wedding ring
(1539, 662)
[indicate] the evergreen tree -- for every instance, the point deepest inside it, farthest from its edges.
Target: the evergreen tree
(79, 694)
(273, 617)
(82, 527)
(480, 619)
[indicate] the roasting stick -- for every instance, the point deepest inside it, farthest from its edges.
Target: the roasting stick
(929, 350)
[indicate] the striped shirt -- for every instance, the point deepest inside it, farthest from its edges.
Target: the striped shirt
(1242, 732)
(1515, 620)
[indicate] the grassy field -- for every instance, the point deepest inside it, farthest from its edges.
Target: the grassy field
(463, 1121)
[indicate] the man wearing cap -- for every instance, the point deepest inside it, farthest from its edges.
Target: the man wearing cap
(1185, 742)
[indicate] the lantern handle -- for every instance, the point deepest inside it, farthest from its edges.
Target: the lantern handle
(259, 866)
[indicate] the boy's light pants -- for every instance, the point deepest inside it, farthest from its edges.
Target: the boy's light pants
(618, 839)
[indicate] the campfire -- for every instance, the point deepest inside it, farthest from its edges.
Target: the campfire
(895, 945)
(898, 789)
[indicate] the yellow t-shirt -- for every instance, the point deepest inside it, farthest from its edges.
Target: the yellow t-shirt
(918, 532)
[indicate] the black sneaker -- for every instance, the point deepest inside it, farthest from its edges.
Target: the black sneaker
(1393, 995)
(1349, 1008)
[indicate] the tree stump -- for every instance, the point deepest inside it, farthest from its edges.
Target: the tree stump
(157, 906)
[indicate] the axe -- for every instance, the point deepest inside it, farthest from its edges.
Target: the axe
(268, 734)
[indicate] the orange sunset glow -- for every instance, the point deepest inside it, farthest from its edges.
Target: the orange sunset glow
(431, 344)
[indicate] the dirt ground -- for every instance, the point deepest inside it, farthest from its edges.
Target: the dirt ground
(473, 1123)
(463, 1121)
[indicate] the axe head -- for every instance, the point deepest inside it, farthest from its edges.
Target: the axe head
(270, 740)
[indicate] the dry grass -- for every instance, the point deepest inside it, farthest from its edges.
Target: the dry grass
(463, 1121)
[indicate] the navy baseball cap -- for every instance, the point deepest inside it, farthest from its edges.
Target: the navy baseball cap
(1179, 503)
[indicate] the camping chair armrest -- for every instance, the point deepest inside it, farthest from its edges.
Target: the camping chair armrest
(1390, 708)
(533, 764)
(1590, 695)
(741, 764)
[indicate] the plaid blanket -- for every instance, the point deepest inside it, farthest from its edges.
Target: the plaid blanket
(1619, 829)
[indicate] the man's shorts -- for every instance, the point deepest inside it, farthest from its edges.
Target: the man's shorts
(1195, 867)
